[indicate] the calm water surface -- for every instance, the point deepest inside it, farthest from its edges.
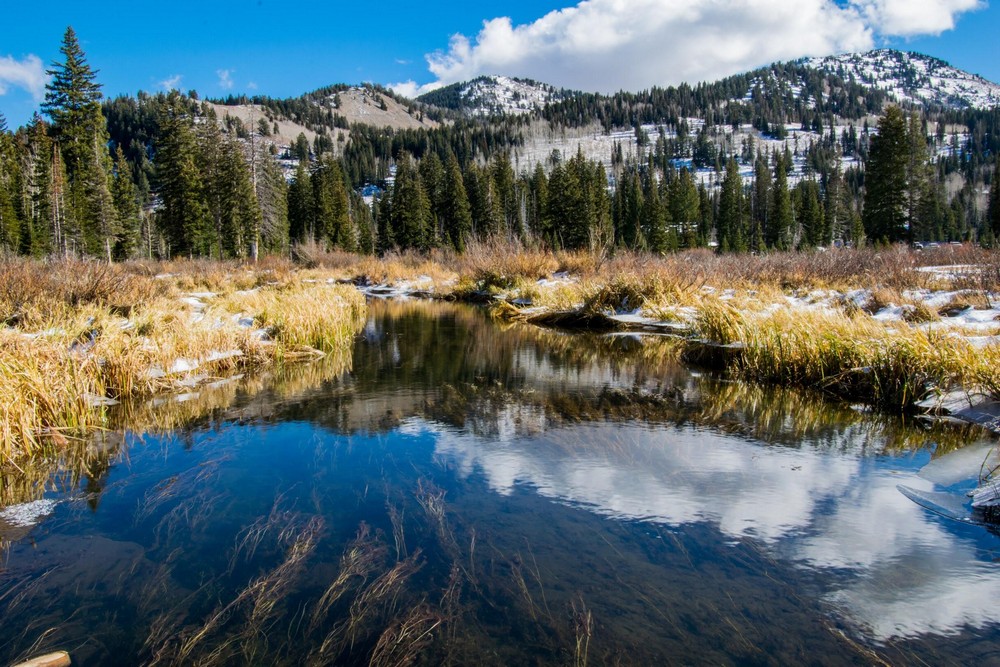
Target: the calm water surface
(469, 494)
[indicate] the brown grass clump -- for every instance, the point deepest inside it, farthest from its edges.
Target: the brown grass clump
(500, 264)
(34, 293)
(851, 357)
(118, 331)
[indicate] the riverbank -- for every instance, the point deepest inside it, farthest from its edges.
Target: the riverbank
(897, 329)
(82, 336)
(894, 328)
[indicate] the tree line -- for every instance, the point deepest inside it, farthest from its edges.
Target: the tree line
(163, 176)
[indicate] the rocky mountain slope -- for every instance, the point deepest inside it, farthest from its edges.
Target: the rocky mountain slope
(912, 77)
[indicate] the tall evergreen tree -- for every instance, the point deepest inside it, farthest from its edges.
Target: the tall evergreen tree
(10, 184)
(301, 226)
(456, 208)
(993, 209)
(628, 211)
(833, 205)
(685, 208)
(760, 206)
(272, 197)
(332, 204)
(502, 174)
(486, 214)
(885, 204)
(127, 207)
(654, 217)
(810, 215)
(432, 175)
(411, 207)
(706, 222)
(73, 102)
(184, 216)
(732, 223)
(538, 221)
(781, 218)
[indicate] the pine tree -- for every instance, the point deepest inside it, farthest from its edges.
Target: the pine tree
(241, 212)
(538, 222)
(10, 183)
(628, 211)
(781, 217)
(411, 208)
(810, 214)
(301, 226)
(486, 214)
(184, 216)
(272, 197)
(332, 204)
(885, 204)
(732, 222)
(457, 211)
(684, 208)
(761, 204)
(600, 230)
(993, 209)
(706, 221)
(73, 102)
(364, 223)
(502, 175)
(917, 180)
(126, 202)
(654, 218)
(38, 195)
(833, 206)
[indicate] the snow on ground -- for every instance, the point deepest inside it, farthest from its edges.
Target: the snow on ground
(911, 77)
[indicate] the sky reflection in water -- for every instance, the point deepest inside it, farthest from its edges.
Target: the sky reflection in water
(667, 500)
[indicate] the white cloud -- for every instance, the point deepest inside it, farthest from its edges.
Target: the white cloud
(607, 45)
(252, 85)
(171, 82)
(411, 88)
(907, 18)
(28, 74)
(225, 78)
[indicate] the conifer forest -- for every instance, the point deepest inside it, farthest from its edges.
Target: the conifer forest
(167, 175)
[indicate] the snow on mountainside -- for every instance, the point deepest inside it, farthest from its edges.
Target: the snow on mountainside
(912, 77)
(494, 96)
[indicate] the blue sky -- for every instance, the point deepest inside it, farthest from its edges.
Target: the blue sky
(284, 49)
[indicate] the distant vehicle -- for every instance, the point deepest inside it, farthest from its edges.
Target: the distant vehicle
(932, 246)
(958, 243)
(917, 245)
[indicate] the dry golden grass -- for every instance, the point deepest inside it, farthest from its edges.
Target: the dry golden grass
(79, 333)
(851, 357)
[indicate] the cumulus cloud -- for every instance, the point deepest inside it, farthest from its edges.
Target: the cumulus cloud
(225, 78)
(28, 74)
(907, 18)
(171, 82)
(607, 45)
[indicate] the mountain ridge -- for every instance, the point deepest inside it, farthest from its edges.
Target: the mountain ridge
(905, 77)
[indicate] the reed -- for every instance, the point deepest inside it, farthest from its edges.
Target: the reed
(81, 335)
(360, 559)
(850, 357)
(406, 637)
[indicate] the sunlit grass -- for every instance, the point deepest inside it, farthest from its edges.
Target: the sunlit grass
(81, 335)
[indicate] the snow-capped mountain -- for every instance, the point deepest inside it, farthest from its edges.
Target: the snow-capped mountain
(912, 77)
(494, 96)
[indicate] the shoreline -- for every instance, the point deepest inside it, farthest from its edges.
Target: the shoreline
(878, 328)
